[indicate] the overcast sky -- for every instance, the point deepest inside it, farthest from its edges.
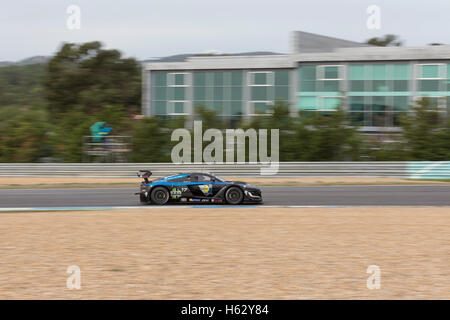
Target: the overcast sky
(148, 28)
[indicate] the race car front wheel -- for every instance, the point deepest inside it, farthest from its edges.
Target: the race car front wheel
(159, 195)
(234, 195)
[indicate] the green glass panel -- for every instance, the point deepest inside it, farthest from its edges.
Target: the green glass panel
(179, 79)
(227, 79)
(260, 78)
(209, 93)
(218, 93)
(199, 104)
(282, 78)
(160, 93)
(281, 92)
(331, 86)
(448, 72)
(236, 107)
(331, 103)
(379, 103)
(199, 93)
(429, 85)
(356, 103)
(379, 72)
(260, 107)
(368, 86)
(159, 107)
(400, 104)
(259, 93)
(209, 79)
(218, 106)
(308, 103)
(308, 72)
(178, 93)
(401, 85)
(357, 85)
(199, 79)
(236, 93)
(357, 72)
(308, 86)
(170, 93)
(178, 107)
(331, 72)
(218, 79)
(226, 93)
(209, 105)
(380, 86)
(430, 71)
(401, 71)
(236, 78)
(159, 79)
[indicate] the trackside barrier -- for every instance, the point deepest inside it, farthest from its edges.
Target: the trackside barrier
(412, 170)
(429, 170)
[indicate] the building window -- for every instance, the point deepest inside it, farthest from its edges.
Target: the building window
(308, 103)
(330, 103)
(431, 78)
(220, 91)
(177, 79)
(176, 107)
(329, 72)
(260, 107)
(430, 71)
(259, 78)
(265, 87)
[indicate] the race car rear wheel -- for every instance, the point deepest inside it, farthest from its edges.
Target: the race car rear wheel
(160, 195)
(234, 195)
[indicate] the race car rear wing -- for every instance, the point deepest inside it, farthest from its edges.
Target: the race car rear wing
(144, 174)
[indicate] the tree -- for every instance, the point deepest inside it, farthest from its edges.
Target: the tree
(326, 136)
(22, 85)
(23, 135)
(89, 77)
(68, 135)
(385, 41)
(151, 143)
(426, 134)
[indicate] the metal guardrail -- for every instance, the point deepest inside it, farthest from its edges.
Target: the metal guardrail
(420, 170)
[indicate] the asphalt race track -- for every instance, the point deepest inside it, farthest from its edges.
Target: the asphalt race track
(431, 195)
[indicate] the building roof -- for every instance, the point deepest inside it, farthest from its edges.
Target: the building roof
(306, 48)
(306, 42)
(185, 56)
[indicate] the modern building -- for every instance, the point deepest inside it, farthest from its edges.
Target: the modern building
(373, 84)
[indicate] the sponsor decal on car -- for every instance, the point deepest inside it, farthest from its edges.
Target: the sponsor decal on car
(183, 199)
(205, 200)
(194, 200)
(175, 193)
(206, 189)
(216, 200)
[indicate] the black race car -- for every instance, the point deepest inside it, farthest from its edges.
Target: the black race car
(195, 187)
